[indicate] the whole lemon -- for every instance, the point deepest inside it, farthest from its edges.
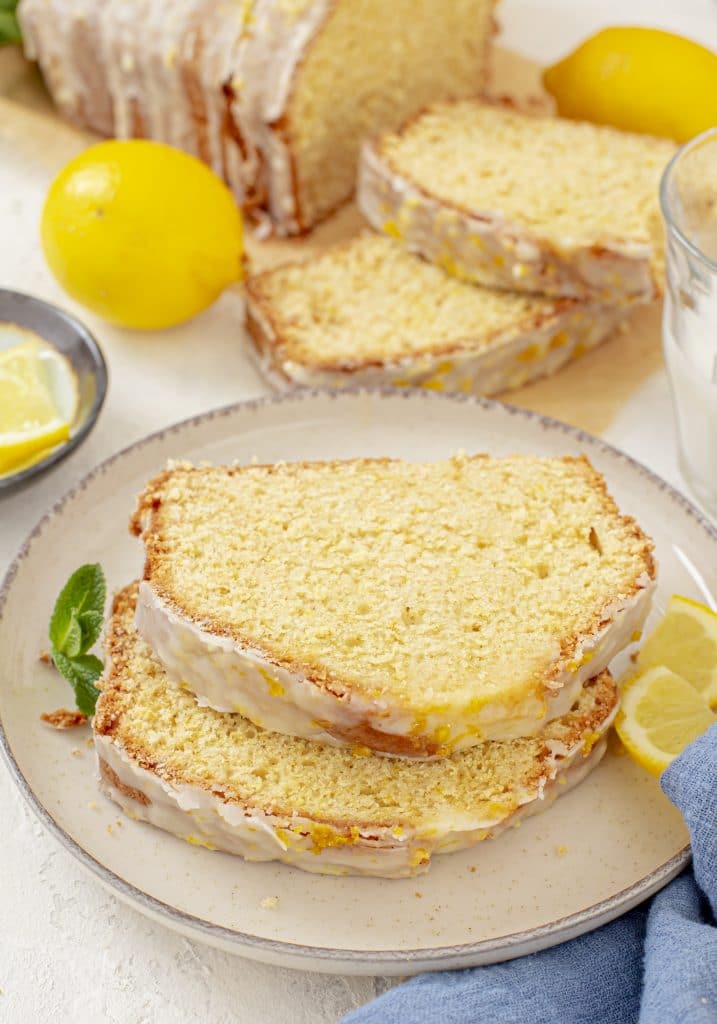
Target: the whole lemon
(141, 233)
(640, 80)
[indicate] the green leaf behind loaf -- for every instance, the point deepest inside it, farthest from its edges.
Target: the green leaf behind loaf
(9, 27)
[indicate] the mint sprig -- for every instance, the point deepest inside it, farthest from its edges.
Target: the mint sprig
(75, 627)
(9, 27)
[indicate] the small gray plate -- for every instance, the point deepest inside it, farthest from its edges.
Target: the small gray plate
(76, 343)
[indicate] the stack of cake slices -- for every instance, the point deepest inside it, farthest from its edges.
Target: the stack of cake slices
(350, 666)
(511, 243)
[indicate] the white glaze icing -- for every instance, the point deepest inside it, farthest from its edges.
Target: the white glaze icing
(141, 53)
(262, 82)
(489, 250)
(229, 676)
(510, 361)
(204, 819)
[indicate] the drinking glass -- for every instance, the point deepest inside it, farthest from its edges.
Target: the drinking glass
(688, 197)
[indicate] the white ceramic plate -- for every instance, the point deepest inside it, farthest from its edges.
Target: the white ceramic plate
(598, 851)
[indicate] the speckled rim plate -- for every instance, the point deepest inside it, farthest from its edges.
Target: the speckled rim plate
(624, 841)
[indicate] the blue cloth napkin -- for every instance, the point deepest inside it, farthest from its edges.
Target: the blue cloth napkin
(655, 965)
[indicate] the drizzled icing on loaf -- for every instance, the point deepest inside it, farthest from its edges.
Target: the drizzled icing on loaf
(211, 77)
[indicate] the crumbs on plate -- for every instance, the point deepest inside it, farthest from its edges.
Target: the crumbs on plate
(64, 719)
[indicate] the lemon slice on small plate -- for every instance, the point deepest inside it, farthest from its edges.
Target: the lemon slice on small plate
(660, 714)
(686, 642)
(53, 383)
(38, 398)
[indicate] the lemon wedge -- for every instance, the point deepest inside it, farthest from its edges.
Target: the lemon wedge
(660, 714)
(30, 422)
(686, 642)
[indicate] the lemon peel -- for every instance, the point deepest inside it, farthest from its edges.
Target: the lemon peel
(685, 641)
(30, 422)
(618, 77)
(659, 716)
(142, 234)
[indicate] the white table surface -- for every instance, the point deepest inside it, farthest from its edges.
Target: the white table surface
(70, 953)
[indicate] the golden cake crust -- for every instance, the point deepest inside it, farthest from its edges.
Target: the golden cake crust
(176, 485)
(368, 312)
(482, 242)
(360, 792)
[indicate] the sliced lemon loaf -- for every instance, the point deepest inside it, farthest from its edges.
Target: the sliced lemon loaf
(275, 94)
(369, 312)
(412, 609)
(515, 200)
(218, 781)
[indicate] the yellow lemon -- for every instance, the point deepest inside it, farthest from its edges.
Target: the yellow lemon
(30, 421)
(660, 714)
(142, 234)
(685, 640)
(640, 80)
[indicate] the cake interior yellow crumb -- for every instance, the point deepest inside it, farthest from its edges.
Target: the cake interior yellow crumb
(372, 300)
(566, 181)
(163, 729)
(436, 586)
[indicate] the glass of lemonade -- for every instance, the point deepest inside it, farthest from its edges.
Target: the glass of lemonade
(688, 196)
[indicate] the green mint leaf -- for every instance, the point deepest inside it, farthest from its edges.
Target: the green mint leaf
(81, 673)
(73, 636)
(91, 625)
(9, 28)
(88, 669)
(84, 591)
(75, 626)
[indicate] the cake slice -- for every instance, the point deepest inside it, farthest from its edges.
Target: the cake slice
(514, 200)
(411, 609)
(220, 782)
(276, 95)
(368, 312)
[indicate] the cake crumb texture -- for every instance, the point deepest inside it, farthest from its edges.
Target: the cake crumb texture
(440, 585)
(371, 300)
(160, 727)
(570, 182)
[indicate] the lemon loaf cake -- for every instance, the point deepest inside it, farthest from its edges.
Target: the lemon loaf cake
(369, 312)
(516, 200)
(218, 781)
(275, 94)
(411, 609)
